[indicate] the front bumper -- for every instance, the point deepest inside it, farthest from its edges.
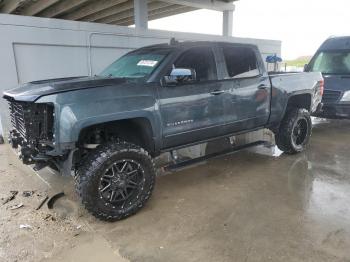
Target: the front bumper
(334, 111)
(32, 156)
(26, 152)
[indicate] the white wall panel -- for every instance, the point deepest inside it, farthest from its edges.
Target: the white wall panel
(49, 61)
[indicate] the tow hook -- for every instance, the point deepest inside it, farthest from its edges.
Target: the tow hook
(25, 154)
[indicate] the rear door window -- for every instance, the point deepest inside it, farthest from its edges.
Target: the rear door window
(241, 62)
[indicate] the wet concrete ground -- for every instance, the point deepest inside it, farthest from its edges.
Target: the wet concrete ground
(249, 206)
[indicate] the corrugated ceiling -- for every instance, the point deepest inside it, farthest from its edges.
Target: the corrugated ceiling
(116, 12)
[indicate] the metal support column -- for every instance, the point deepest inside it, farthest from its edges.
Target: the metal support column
(141, 14)
(227, 23)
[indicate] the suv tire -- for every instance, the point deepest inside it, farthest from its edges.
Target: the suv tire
(116, 180)
(295, 131)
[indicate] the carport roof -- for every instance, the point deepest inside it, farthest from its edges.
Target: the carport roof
(116, 12)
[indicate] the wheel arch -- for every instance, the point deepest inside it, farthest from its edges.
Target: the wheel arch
(295, 100)
(137, 130)
(299, 101)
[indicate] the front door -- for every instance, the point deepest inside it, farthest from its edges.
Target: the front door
(193, 111)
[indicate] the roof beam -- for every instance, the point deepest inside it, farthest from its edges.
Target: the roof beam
(10, 6)
(119, 16)
(38, 6)
(166, 9)
(110, 11)
(92, 8)
(129, 14)
(180, 10)
(156, 14)
(61, 7)
(204, 4)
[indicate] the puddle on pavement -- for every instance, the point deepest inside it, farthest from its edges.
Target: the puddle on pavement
(320, 121)
(303, 196)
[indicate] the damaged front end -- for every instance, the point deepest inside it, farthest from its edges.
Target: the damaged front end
(33, 135)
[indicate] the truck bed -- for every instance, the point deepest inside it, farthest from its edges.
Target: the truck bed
(285, 85)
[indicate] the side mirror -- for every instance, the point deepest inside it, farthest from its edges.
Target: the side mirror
(306, 67)
(180, 75)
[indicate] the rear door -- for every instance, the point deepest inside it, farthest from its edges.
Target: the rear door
(193, 111)
(248, 85)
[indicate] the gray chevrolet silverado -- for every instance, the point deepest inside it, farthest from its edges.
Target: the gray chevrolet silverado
(107, 129)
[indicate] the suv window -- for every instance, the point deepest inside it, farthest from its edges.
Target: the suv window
(202, 60)
(240, 61)
(332, 62)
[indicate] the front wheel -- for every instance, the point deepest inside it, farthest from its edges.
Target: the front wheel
(295, 131)
(116, 181)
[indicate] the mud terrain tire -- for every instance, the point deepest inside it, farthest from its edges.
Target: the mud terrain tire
(295, 131)
(112, 173)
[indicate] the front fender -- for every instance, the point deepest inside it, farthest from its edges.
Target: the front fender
(75, 117)
(71, 127)
(77, 110)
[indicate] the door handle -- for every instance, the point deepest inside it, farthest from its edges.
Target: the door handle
(262, 86)
(217, 92)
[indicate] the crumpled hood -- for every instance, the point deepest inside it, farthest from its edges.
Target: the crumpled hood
(34, 90)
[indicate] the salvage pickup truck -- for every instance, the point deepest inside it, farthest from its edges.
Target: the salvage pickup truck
(107, 129)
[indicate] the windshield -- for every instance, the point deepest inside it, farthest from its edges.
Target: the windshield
(332, 62)
(138, 64)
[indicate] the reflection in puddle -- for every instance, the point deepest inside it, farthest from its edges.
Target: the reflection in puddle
(331, 199)
(323, 188)
(267, 150)
(319, 121)
(318, 178)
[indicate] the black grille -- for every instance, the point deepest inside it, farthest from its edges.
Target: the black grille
(330, 96)
(33, 122)
(17, 118)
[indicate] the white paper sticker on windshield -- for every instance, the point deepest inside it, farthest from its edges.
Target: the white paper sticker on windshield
(150, 63)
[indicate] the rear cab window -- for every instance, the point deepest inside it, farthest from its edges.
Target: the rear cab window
(241, 62)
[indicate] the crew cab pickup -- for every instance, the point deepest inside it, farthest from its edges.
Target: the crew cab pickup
(109, 127)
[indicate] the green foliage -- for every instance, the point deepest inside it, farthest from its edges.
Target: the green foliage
(299, 62)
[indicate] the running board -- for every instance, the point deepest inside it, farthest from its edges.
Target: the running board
(182, 164)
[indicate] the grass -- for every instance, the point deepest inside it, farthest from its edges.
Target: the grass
(299, 62)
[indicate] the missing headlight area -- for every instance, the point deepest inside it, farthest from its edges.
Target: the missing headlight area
(32, 127)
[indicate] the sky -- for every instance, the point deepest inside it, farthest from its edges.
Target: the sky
(301, 25)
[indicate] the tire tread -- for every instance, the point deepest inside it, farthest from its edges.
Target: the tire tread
(93, 162)
(283, 138)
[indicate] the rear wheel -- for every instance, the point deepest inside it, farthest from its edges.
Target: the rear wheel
(295, 131)
(116, 181)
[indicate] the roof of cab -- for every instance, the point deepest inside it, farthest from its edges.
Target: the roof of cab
(189, 44)
(336, 43)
